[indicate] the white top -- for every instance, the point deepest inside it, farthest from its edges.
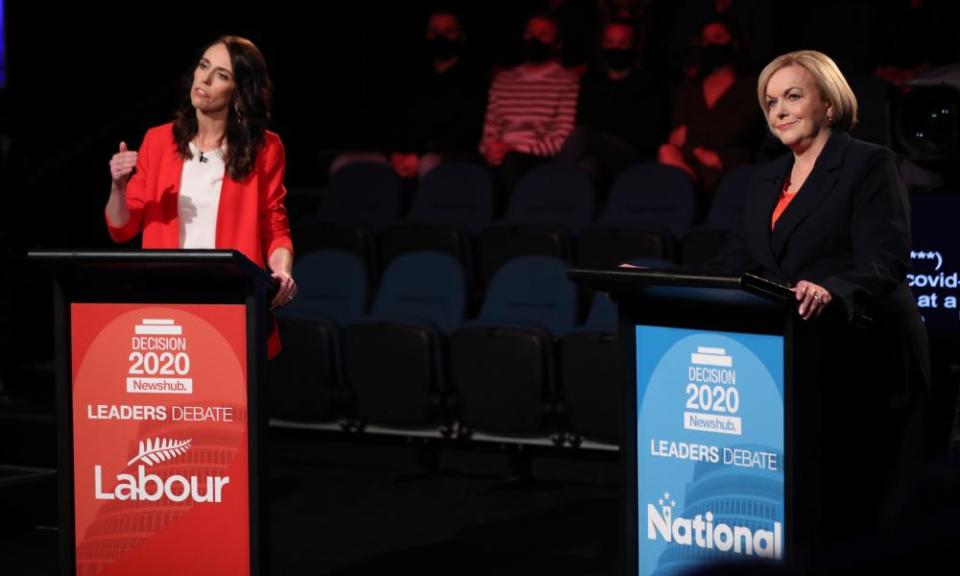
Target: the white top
(199, 200)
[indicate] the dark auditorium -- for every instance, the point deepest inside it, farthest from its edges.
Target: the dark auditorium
(558, 287)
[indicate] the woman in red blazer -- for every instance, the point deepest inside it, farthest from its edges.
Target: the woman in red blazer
(212, 178)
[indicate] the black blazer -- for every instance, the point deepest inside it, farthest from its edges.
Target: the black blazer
(848, 228)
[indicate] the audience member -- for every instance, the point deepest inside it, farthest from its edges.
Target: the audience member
(714, 129)
(622, 115)
(531, 107)
(437, 112)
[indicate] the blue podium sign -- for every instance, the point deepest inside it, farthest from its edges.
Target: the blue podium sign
(710, 447)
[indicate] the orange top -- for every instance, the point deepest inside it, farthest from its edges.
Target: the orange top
(782, 203)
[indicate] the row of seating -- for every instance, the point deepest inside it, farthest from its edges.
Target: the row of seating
(523, 367)
(649, 214)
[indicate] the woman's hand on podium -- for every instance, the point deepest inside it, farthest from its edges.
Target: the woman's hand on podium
(281, 264)
(813, 298)
(287, 291)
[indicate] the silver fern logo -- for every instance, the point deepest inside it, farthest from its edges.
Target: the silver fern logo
(159, 450)
(152, 487)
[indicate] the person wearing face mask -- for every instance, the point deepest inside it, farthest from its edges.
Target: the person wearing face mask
(713, 129)
(622, 111)
(715, 57)
(531, 107)
(438, 110)
(212, 178)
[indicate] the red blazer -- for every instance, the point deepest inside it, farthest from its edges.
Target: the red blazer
(251, 217)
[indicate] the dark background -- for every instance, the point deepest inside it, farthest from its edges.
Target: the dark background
(81, 77)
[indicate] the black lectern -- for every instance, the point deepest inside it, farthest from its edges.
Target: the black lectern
(159, 357)
(708, 442)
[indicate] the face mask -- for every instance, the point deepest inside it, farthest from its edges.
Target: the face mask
(713, 56)
(442, 48)
(537, 52)
(617, 59)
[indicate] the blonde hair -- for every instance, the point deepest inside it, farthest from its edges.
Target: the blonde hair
(833, 86)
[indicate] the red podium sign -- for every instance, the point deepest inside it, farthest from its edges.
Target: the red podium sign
(161, 481)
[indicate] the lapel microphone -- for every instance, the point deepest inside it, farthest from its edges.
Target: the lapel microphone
(203, 158)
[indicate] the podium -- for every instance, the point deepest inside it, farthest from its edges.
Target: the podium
(708, 447)
(159, 357)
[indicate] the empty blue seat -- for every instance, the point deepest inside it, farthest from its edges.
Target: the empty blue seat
(394, 359)
(360, 199)
(452, 202)
(455, 193)
(550, 205)
(366, 193)
(651, 195)
(706, 243)
(331, 285)
(306, 378)
(592, 377)
(650, 207)
(503, 362)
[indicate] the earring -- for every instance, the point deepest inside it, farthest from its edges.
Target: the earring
(236, 110)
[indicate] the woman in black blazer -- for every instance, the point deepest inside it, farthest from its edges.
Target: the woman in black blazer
(831, 219)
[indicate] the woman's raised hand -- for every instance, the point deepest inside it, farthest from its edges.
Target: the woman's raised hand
(121, 166)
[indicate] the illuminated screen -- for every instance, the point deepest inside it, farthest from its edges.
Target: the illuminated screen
(935, 259)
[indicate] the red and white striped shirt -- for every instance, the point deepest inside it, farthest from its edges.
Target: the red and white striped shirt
(531, 110)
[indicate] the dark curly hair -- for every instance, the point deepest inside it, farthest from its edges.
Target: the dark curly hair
(248, 113)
